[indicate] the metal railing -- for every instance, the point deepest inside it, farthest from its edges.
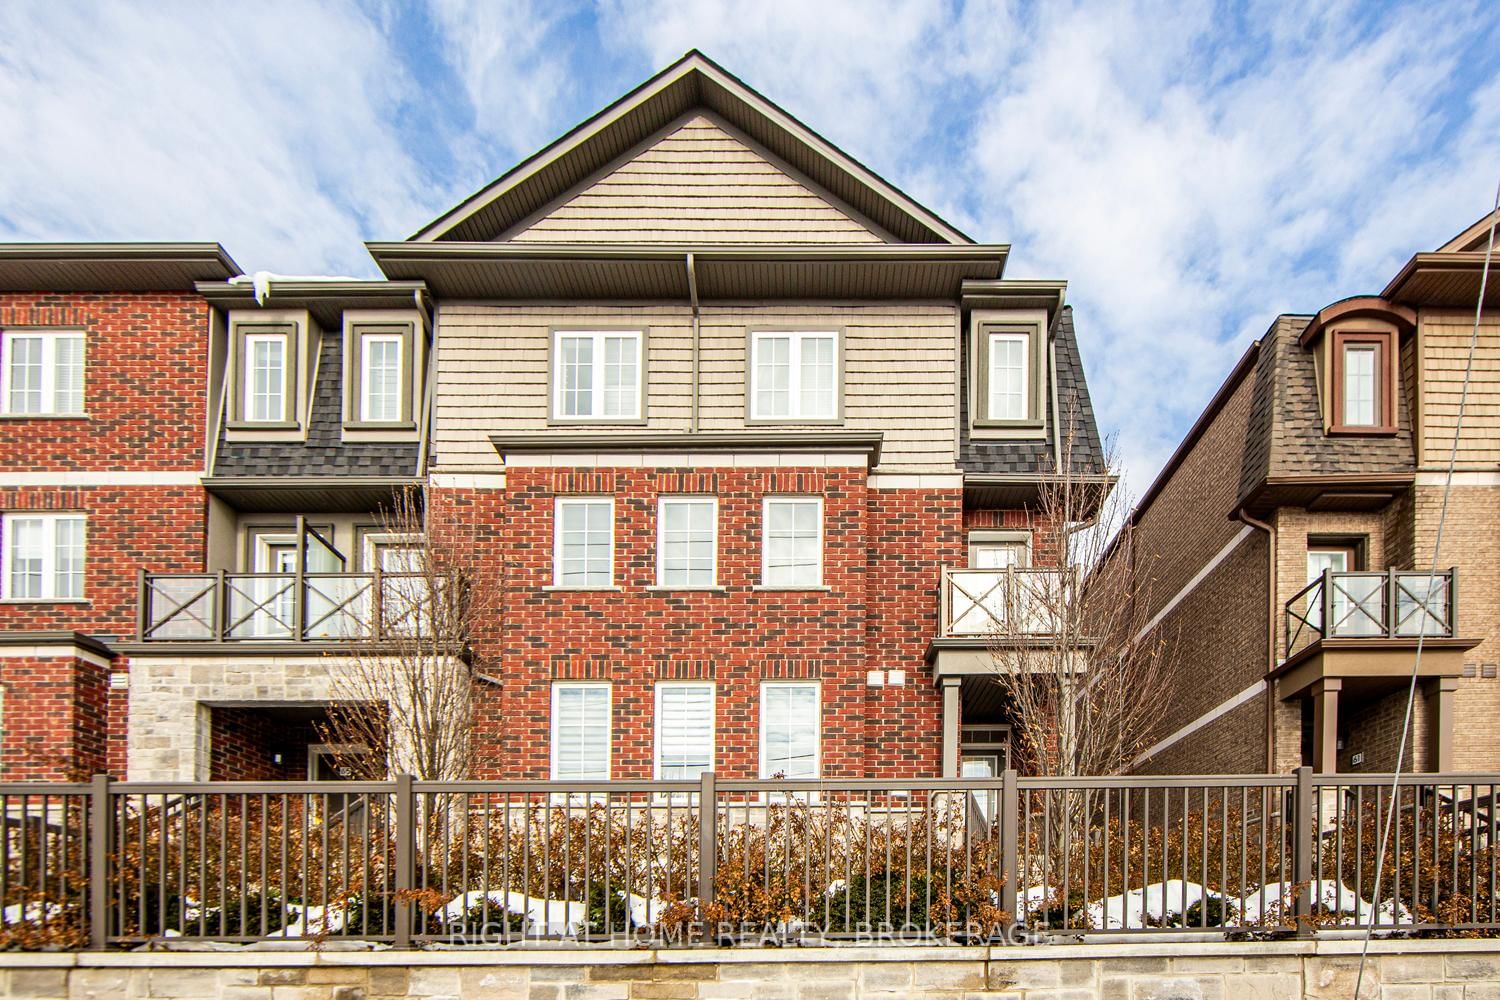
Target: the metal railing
(1389, 604)
(1011, 602)
(279, 607)
(409, 862)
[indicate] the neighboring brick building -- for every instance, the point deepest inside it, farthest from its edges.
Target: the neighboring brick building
(746, 439)
(101, 461)
(1318, 469)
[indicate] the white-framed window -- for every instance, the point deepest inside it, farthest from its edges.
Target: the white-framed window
(1009, 376)
(684, 729)
(1360, 385)
(596, 375)
(43, 557)
(43, 372)
(380, 364)
(583, 545)
(687, 541)
(794, 376)
(790, 729)
(792, 542)
(265, 387)
(580, 731)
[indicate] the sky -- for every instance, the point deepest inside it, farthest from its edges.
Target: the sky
(1191, 170)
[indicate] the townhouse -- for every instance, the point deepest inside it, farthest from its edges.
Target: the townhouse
(746, 441)
(1289, 541)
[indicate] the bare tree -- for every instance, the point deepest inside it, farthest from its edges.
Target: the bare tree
(402, 700)
(1083, 674)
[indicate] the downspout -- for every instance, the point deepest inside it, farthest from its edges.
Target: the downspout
(1270, 635)
(692, 280)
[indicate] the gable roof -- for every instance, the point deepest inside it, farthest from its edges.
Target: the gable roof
(693, 82)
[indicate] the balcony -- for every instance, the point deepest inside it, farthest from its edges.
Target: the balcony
(983, 609)
(1393, 604)
(280, 607)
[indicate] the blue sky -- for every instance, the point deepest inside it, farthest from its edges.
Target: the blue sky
(1191, 170)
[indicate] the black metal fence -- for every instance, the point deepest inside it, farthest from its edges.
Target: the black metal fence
(406, 862)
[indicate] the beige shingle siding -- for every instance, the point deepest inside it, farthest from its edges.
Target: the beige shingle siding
(697, 184)
(899, 372)
(1445, 340)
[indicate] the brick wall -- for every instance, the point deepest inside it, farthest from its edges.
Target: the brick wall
(145, 383)
(243, 743)
(53, 721)
(883, 553)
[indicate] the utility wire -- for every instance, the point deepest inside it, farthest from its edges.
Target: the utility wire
(1437, 548)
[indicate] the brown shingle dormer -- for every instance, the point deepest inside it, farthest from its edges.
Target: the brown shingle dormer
(1356, 345)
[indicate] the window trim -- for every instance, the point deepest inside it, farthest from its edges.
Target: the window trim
(555, 334)
(1386, 384)
(713, 722)
(558, 504)
(797, 333)
(765, 538)
(49, 521)
(609, 717)
(685, 498)
(355, 383)
(49, 337)
(817, 687)
(242, 333)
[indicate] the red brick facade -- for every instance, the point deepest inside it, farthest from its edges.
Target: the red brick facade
(145, 399)
(883, 554)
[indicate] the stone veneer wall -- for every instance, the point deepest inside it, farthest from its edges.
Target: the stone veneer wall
(1163, 970)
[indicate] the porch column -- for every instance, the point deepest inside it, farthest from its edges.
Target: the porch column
(1439, 694)
(1325, 695)
(952, 709)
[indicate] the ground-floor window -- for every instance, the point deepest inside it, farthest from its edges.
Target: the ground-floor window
(789, 729)
(580, 731)
(684, 730)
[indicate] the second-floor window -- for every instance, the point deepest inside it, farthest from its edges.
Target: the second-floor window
(792, 542)
(584, 544)
(597, 375)
(43, 557)
(43, 373)
(794, 376)
(265, 388)
(686, 544)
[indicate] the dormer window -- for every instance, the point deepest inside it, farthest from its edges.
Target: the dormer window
(379, 359)
(1006, 367)
(1363, 382)
(265, 376)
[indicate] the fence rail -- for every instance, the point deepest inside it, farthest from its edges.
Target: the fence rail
(407, 862)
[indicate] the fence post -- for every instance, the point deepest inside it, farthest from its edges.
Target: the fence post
(1010, 876)
(406, 849)
(1302, 844)
(101, 827)
(708, 840)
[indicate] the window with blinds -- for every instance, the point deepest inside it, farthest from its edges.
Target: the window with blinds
(684, 730)
(42, 373)
(789, 730)
(580, 732)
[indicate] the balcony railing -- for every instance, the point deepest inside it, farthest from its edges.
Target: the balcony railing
(1003, 602)
(1389, 604)
(280, 607)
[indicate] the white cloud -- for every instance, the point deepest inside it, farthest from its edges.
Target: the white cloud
(267, 131)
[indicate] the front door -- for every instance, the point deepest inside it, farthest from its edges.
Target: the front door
(982, 764)
(1332, 560)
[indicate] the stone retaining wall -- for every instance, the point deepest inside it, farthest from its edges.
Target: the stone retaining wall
(1153, 970)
